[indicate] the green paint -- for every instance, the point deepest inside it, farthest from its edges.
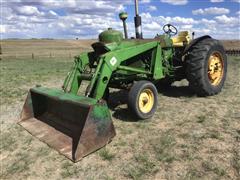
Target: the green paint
(55, 93)
(123, 15)
(101, 112)
(110, 36)
(115, 61)
(131, 69)
(101, 115)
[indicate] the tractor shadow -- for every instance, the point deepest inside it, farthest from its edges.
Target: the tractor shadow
(176, 91)
(118, 100)
(118, 104)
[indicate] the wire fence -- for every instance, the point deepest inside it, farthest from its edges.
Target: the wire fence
(36, 56)
(64, 54)
(233, 52)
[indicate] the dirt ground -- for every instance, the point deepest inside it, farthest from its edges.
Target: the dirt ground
(189, 137)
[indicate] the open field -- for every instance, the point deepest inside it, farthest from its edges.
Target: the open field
(20, 49)
(188, 138)
(231, 44)
(38, 49)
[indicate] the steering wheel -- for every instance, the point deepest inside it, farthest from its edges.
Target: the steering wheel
(170, 29)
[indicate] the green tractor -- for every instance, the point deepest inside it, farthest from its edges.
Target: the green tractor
(77, 125)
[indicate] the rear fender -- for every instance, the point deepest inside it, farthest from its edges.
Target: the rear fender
(195, 41)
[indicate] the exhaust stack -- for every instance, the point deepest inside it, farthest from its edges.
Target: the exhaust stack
(138, 22)
(123, 16)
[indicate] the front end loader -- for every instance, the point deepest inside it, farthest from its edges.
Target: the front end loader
(77, 125)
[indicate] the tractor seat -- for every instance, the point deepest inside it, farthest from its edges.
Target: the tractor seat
(182, 39)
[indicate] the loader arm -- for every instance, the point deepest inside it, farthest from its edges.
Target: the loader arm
(74, 77)
(109, 63)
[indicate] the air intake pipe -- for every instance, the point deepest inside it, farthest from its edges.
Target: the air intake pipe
(123, 16)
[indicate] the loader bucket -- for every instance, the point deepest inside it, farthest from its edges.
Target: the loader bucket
(73, 125)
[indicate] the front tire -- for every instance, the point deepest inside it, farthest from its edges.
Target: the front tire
(142, 99)
(206, 67)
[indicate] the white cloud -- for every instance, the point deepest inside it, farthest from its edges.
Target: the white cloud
(207, 21)
(86, 19)
(146, 16)
(57, 4)
(2, 28)
(153, 26)
(216, 1)
(216, 27)
(106, 7)
(53, 13)
(145, 1)
(152, 8)
(211, 11)
(175, 2)
(238, 1)
(238, 13)
(186, 27)
(27, 10)
(182, 20)
(61, 25)
(96, 7)
(202, 31)
(229, 21)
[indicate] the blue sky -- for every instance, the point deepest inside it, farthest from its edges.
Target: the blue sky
(64, 19)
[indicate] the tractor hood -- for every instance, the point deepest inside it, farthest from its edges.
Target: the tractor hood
(110, 36)
(108, 40)
(111, 40)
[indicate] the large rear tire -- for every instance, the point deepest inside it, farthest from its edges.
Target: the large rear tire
(206, 67)
(143, 99)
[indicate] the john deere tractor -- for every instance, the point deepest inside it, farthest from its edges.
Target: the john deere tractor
(77, 125)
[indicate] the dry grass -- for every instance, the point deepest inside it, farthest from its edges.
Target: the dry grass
(20, 49)
(188, 138)
(231, 44)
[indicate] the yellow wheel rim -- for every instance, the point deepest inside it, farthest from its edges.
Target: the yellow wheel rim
(146, 101)
(215, 68)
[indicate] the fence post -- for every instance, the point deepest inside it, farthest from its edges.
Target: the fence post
(32, 55)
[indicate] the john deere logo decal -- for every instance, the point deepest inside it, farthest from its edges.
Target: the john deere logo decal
(113, 61)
